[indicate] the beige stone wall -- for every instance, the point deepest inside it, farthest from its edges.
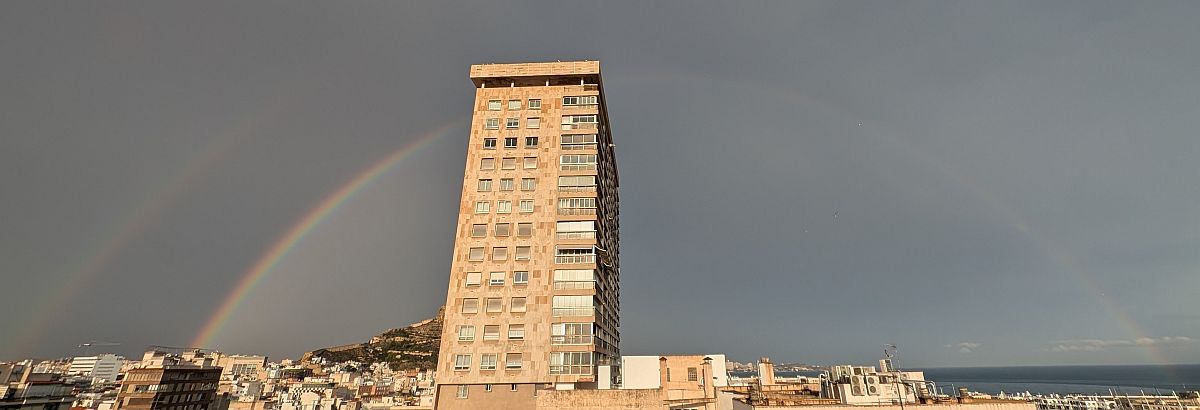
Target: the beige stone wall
(600, 399)
(955, 406)
(535, 69)
(501, 397)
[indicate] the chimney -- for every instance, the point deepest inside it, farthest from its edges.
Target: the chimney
(766, 371)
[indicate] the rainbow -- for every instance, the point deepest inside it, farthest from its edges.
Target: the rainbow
(284, 245)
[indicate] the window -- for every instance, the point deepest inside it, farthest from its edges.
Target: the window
(473, 278)
(524, 228)
(526, 205)
(492, 124)
(580, 100)
(506, 184)
(535, 104)
(496, 279)
(512, 123)
(574, 279)
(489, 143)
(520, 277)
(579, 122)
(517, 305)
(530, 163)
(572, 305)
(577, 206)
(571, 363)
(466, 333)
(500, 253)
(475, 255)
(462, 390)
(462, 362)
(503, 229)
(516, 332)
(531, 142)
(483, 207)
(576, 229)
(533, 123)
(514, 104)
(470, 305)
(571, 333)
(575, 254)
(577, 162)
(503, 206)
(577, 141)
(513, 387)
(692, 374)
(487, 164)
(528, 184)
(508, 163)
(478, 230)
(577, 182)
(512, 361)
(510, 142)
(491, 332)
(522, 253)
(494, 305)
(484, 185)
(493, 105)
(487, 362)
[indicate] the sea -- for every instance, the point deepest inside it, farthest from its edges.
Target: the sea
(1131, 380)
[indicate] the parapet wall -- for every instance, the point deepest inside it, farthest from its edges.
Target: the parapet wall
(600, 399)
(952, 406)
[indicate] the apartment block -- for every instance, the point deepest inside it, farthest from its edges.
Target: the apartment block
(533, 296)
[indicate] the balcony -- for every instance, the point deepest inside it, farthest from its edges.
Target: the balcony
(572, 339)
(580, 126)
(574, 259)
(577, 147)
(576, 211)
(577, 167)
(574, 285)
(584, 370)
(577, 235)
(576, 311)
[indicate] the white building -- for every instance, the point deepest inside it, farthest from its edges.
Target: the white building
(863, 385)
(103, 367)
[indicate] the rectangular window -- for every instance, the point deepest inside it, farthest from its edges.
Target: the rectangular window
(576, 229)
(462, 391)
(579, 122)
(522, 253)
(470, 305)
(466, 333)
(577, 182)
(530, 163)
(500, 253)
(525, 229)
(491, 332)
(574, 254)
(487, 164)
(571, 333)
(528, 184)
(508, 163)
(503, 229)
(484, 185)
(493, 105)
(572, 142)
(533, 123)
(494, 305)
(514, 104)
(496, 279)
(506, 184)
(692, 374)
(531, 142)
(521, 278)
(486, 387)
(535, 104)
(577, 162)
(512, 387)
(577, 206)
(580, 100)
(492, 124)
(510, 142)
(574, 279)
(473, 278)
(478, 230)
(503, 206)
(516, 332)
(512, 123)
(489, 143)
(517, 305)
(487, 362)
(571, 363)
(483, 207)
(512, 361)
(572, 305)
(475, 255)
(462, 362)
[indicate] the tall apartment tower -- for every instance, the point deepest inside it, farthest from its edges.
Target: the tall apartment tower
(533, 296)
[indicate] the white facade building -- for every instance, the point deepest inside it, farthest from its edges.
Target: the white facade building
(103, 367)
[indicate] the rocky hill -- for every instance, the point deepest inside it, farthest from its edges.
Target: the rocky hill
(411, 347)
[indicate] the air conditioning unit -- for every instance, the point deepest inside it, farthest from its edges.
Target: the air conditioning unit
(872, 386)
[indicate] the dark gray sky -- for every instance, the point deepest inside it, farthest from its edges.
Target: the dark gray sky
(1013, 182)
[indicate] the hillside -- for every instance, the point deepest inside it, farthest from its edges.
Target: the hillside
(411, 347)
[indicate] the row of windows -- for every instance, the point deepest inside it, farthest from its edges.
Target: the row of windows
(466, 333)
(564, 229)
(506, 184)
(510, 142)
(487, 361)
(499, 253)
(507, 163)
(462, 389)
(534, 104)
(504, 206)
(512, 123)
(494, 305)
(496, 278)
